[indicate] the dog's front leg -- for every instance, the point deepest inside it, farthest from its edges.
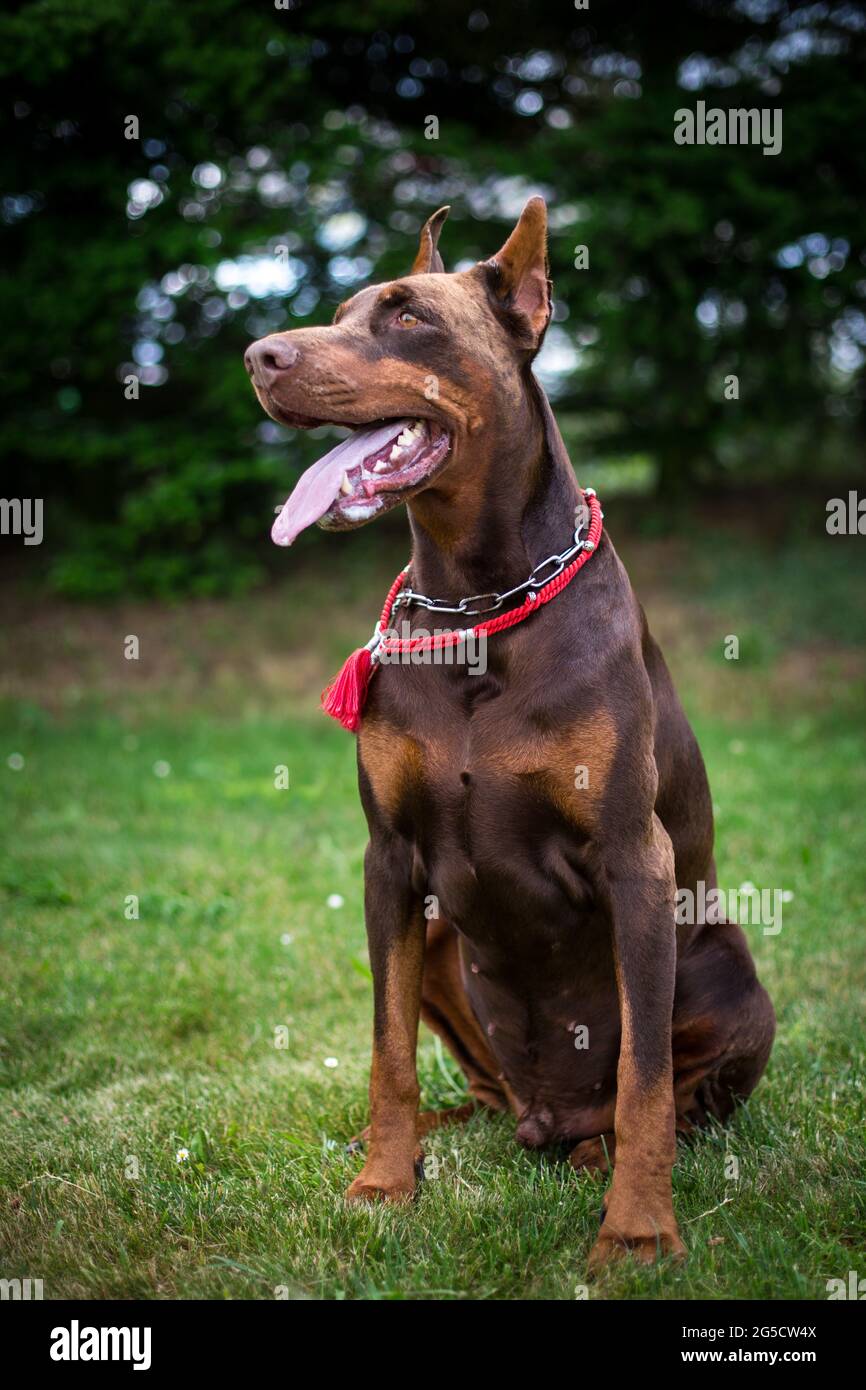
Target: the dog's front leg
(639, 1213)
(396, 936)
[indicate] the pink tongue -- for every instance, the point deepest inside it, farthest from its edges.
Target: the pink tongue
(316, 489)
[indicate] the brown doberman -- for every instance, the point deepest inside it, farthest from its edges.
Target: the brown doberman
(548, 808)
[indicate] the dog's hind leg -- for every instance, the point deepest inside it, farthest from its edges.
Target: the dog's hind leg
(723, 1027)
(447, 1012)
(427, 1121)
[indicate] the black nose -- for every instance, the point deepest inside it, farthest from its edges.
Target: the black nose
(267, 358)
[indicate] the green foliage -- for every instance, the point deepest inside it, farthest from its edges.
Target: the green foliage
(260, 127)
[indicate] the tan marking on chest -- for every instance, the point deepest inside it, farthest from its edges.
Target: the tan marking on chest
(393, 762)
(572, 766)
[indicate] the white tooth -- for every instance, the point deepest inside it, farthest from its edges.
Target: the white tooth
(381, 466)
(396, 453)
(360, 511)
(407, 437)
(345, 485)
(418, 427)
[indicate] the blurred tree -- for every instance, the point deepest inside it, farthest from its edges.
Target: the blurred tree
(278, 157)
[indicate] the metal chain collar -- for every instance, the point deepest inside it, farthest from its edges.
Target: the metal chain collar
(540, 576)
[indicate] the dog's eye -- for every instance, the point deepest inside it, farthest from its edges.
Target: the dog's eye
(407, 320)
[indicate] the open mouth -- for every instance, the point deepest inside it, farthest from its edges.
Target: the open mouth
(377, 467)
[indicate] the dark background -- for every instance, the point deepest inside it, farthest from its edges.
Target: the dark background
(304, 128)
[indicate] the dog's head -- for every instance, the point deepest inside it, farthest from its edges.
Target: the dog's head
(416, 367)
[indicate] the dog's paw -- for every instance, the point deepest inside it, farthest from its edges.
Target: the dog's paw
(358, 1142)
(594, 1155)
(612, 1246)
(370, 1186)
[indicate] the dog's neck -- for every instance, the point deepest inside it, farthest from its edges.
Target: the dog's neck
(510, 504)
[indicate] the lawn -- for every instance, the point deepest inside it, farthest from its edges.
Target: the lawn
(176, 978)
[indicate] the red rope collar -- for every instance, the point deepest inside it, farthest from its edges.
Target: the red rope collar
(346, 695)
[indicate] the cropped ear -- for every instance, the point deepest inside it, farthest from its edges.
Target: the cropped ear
(520, 280)
(428, 261)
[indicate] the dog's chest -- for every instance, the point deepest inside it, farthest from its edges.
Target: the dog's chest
(499, 805)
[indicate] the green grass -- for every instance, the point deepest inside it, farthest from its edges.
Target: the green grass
(128, 1039)
(135, 1038)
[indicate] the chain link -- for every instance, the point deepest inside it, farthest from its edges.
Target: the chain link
(536, 580)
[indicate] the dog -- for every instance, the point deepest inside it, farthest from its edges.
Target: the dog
(529, 826)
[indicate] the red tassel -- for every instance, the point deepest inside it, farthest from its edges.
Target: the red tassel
(345, 697)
